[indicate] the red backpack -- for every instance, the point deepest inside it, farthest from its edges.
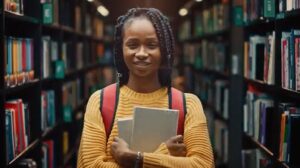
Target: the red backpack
(110, 98)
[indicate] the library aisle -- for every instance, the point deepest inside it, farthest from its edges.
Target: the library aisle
(240, 57)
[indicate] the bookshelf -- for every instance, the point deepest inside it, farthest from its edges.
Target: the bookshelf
(48, 63)
(256, 66)
(203, 36)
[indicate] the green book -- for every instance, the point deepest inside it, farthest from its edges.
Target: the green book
(269, 8)
(67, 110)
(47, 13)
(238, 15)
(59, 67)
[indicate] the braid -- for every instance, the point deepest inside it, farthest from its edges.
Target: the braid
(165, 37)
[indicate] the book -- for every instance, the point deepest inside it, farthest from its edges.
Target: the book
(151, 127)
(125, 128)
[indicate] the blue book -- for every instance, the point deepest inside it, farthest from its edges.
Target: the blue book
(9, 135)
(28, 54)
(51, 108)
(9, 56)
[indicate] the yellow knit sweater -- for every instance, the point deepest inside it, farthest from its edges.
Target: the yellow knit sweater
(95, 152)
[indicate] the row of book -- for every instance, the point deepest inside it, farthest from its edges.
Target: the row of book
(220, 142)
(289, 148)
(206, 55)
(50, 11)
(212, 19)
(258, 9)
(206, 21)
(222, 98)
(48, 119)
(258, 115)
(97, 79)
(218, 131)
(85, 54)
(288, 5)
(49, 56)
(254, 158)
(14, 6)
(259, 58)
(290, 60)
(17, 128)
(213, 92)
(71, 98)
(48, 154)
(19, 62)
(92, 25)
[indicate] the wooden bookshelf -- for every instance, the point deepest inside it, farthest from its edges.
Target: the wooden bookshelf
(200, 66)
(261, 24)
(31, 25)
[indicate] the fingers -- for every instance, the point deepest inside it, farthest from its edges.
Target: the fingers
(116, 139)
(177, 139)
(178, 150)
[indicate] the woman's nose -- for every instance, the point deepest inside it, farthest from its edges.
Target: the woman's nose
(142, 53)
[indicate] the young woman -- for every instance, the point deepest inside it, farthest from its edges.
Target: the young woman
(144, 50)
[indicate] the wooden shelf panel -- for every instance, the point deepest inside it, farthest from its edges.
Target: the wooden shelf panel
(213, 72)
(21, 18)
(24, 153)
(289, 93)
(207, 36)
(22, 87)
(287, 15)
(266, 151)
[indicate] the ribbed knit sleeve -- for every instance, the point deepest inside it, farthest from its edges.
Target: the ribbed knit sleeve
(93, 141)
(196, 139)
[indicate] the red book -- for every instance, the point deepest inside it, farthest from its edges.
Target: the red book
(23, 55)
(17, 106)
(283, 48)
(50, 145)
(297, 63)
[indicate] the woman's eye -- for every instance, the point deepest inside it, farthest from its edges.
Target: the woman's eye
(152, 45)
(132, 46)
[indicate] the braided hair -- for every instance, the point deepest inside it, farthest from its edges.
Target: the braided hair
(166, 43)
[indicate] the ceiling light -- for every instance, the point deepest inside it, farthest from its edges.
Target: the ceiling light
(102, 10)
(183, 12)
(90, 0)
(198, 0)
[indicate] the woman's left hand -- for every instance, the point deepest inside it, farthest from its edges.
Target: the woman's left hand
(120, 152)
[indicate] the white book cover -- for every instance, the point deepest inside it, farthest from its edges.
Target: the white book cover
(125, 128)
(271, 71)
(151, 127)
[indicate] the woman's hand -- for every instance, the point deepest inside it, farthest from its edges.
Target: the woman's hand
(176, 146)
(121, 153)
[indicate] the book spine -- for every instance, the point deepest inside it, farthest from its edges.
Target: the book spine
(297, 61)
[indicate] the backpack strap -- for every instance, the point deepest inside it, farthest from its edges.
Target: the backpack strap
(108, 106)
(177, 101)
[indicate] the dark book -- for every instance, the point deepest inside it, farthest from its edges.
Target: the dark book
(294, 152)
(260, 52)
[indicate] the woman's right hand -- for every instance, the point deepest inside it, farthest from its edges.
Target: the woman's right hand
(176, 146)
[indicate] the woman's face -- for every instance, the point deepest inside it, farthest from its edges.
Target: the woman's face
(141, 48)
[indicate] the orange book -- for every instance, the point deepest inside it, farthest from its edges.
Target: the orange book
(246, 59)
(282, 130)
